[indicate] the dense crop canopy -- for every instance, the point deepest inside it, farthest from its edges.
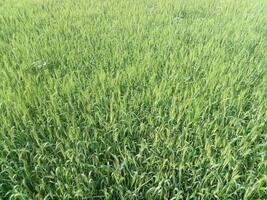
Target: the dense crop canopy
(133, 99)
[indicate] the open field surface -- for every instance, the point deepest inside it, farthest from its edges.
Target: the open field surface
(133, 99)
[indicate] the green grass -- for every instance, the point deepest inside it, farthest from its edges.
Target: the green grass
(133, 99)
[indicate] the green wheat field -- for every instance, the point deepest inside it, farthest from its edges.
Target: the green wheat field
(133, 99)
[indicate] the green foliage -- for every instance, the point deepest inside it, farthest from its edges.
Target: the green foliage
(133, 99)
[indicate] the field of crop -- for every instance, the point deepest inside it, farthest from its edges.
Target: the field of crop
(133, 99)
